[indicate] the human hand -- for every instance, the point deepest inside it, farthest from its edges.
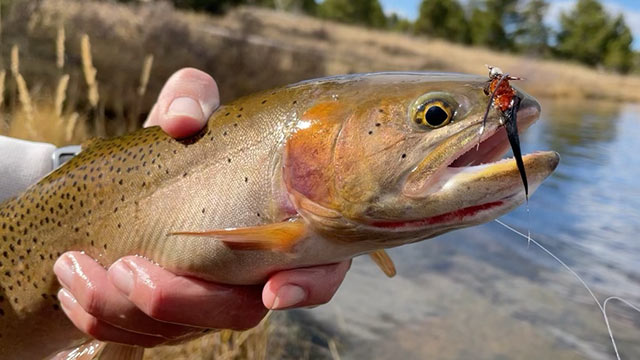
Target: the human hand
(137, 302)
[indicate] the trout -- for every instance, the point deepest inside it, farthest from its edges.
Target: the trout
(307, 174)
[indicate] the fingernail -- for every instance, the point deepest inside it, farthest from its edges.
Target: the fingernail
(64, 272)
(122, 277)
(185, 106)
(67, 301)
(288, 296)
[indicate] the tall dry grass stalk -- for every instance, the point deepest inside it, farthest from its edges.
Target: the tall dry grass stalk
(70, 128)
(60, 47)
(3, 74)
(15, 60)
(89, 70)
(333, 349)
(144, 76)
(33, 22)
(3, 124)
(27, 105)
(61, 94)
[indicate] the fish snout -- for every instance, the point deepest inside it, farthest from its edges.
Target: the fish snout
(529, 110)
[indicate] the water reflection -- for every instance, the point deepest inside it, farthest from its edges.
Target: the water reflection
(592, 202)
(576, 128)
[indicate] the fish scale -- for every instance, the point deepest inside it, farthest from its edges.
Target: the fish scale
(276, 180)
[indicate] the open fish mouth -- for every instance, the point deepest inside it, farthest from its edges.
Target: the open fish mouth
(477, 173)
(495, 144)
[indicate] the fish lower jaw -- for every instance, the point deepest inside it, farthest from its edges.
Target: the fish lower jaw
(465, 216)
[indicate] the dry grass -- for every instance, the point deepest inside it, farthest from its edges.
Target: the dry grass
(3, 74)
(61, 94)
(89, 71)
(144, 75)
(15, 60)
(60, 48)
(224, 345)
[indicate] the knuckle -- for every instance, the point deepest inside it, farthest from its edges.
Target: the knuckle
(92, 302)
(91, 326)
(156, 304)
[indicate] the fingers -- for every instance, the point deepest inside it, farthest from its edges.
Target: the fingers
(97, 308)
(139, 303)
(304, 287)
(185, 103)
(179, 299)
(99, 329)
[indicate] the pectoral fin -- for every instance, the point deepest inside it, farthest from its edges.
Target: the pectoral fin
(280, 236)
(384, 262)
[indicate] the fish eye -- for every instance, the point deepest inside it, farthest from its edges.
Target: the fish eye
(433, 114)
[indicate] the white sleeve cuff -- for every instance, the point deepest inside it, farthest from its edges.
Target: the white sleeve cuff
(22, 163)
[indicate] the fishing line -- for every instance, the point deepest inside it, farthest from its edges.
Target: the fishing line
(602, 306)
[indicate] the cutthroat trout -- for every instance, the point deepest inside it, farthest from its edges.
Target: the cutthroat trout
(308, 174)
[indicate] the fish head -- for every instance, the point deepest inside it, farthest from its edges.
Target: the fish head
(408, 157)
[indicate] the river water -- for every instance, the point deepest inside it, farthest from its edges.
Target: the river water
(483, 293)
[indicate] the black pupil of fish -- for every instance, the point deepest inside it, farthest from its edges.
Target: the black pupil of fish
(435, 115)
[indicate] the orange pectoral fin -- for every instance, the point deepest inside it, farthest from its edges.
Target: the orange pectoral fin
(280, 236)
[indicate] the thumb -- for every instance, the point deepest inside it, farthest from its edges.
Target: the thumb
(185, 103)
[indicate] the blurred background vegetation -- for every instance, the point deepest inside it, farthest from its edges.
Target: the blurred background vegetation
(587, 34)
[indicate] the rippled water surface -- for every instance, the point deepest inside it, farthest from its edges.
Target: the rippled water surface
(481, 293)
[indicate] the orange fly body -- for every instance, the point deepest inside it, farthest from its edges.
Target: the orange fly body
(503, 98)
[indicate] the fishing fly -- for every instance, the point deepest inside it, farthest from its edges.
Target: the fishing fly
(505, 99)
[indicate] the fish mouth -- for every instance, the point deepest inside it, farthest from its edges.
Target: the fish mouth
(473, 183)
